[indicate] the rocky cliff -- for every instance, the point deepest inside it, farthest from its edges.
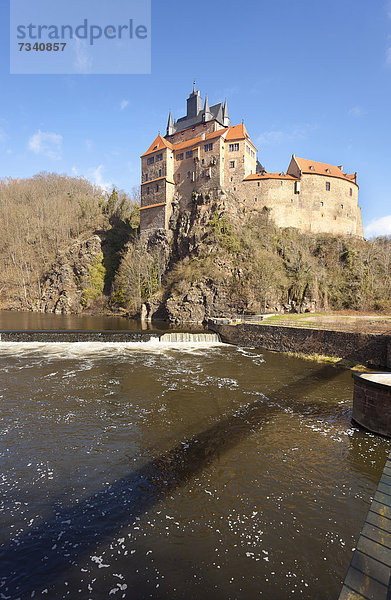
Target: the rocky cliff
(75, 280)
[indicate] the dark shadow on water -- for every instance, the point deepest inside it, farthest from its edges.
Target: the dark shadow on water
(30, 563)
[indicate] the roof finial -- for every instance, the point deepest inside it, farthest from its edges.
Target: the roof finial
(194, 84)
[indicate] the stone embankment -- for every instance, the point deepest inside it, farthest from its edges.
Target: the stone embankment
(373, 350)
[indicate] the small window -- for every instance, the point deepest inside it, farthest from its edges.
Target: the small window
(151, 160)
(233, 147)
(291, 200)
(188, 174)
(155, 147)
(208, 147)
(327, 186)
(146, 177)
(231, 164)
(255, 199)
(258, 184)
(159, 157)
(342, 206)
(321, 205)
(203, 161)
(234, 189)
(189, 154)
(157, 188)
(232, 178)
(281, 183)
(179, 156)
(148, 190)
(160, 172)
(350, 192)
(312, 168)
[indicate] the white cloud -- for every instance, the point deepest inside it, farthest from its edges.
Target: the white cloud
(356, 112)
(275, 137)
(381, 226)
(46, 143)
(124, 104)
(97, 178)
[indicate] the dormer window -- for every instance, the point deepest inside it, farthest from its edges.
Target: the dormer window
(328, 171)
(156, 147)
(312, 168)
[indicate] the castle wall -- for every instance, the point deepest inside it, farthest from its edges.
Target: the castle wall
(333, 210)
(153, 218)
(244, 165)
(314, 209)
(193, 132)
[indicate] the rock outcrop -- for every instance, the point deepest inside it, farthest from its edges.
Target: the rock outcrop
(63, 289)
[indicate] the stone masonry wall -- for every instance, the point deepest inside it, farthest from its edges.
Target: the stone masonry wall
(314, 209)
(362, 348)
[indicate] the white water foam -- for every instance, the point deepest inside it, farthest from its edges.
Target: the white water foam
(96, 349)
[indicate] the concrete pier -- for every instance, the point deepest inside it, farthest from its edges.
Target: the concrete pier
(372, 402)
(368, 577)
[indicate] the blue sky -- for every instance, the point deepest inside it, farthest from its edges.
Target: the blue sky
(307, 77)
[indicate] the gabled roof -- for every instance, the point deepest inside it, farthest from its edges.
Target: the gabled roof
(310, 166)
(237, 132)
(160, 143)
(263, 176)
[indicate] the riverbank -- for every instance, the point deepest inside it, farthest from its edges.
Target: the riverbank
(369, 349)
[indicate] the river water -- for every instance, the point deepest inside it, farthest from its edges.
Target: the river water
(176, 471)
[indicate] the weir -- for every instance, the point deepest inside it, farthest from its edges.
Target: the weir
(120, 336)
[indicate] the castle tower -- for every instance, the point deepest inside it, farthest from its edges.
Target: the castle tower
(194, 103)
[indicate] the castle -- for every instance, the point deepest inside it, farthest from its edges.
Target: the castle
(202, 152)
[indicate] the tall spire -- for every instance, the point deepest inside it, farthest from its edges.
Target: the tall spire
(170, 125)
(226, 119)
(207, 116)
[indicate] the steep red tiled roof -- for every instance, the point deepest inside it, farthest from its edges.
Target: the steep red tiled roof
(160, 143)
(237, 132)
(188, 143)
(318, 168)
(262, 176)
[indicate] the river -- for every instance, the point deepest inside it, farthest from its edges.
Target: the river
(176, 471)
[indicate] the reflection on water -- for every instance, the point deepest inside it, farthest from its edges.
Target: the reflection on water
(192, 471)
(11, 320)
